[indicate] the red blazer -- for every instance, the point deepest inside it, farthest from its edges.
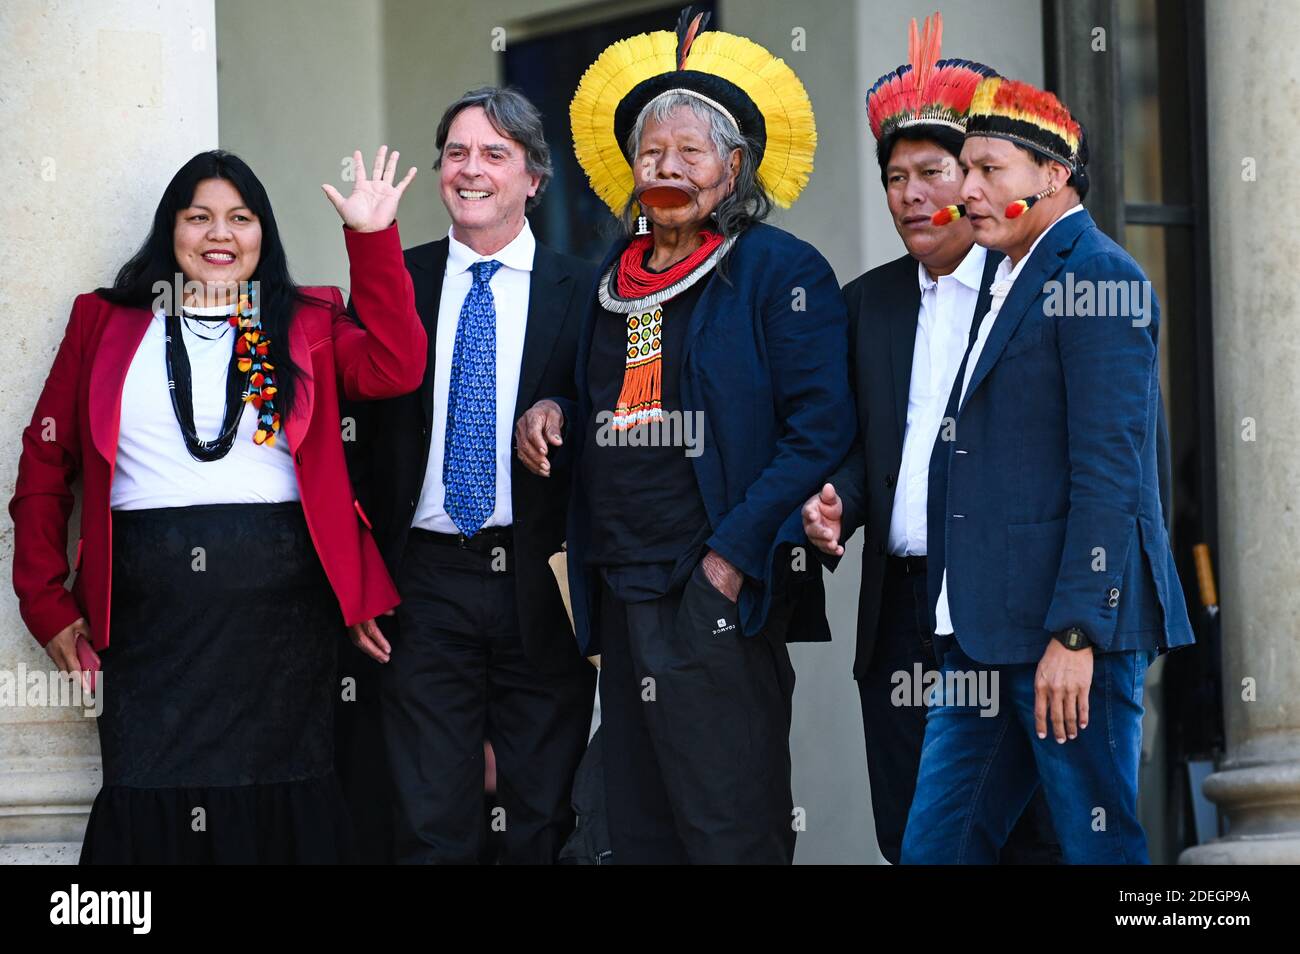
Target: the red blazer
(75, 427)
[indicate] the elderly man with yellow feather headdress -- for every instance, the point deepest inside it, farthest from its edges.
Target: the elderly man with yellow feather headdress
(713, 398)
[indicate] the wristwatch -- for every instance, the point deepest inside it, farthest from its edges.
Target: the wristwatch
(1072, 638)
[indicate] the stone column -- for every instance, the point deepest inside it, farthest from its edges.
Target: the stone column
(103, 103)
(1253, 79)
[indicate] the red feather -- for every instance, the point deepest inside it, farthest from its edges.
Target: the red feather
(1021, 97)
(927, 54)
(685, 45)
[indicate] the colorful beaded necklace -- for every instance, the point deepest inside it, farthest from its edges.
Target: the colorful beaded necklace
(249, 379)
(252, 349)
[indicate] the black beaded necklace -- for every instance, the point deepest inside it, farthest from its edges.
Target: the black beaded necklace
(180, 389)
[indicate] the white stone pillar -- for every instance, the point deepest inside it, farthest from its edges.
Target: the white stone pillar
(1253, 77)
(104, 100)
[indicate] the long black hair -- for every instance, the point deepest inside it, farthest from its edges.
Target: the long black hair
(155, 262)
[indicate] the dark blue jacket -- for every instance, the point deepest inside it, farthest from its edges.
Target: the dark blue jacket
(1045, 506)
(765, 362)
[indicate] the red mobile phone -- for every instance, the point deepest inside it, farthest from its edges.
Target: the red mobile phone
(88, 662)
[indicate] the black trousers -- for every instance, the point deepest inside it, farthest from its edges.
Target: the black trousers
(895, 733)
(458, 675)
(695, 720)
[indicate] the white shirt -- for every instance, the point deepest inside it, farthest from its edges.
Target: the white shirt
(1003, 280)
(510, 293)
(153, 467)
(942, 333)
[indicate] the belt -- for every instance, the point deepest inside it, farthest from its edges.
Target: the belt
(905, 565)
(485, 541)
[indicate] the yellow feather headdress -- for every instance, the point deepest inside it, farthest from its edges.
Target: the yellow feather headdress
(773, 88)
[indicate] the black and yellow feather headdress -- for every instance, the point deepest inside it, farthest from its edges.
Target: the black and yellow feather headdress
(757, 91)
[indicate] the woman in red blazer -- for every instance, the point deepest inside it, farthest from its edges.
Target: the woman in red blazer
(222, 548)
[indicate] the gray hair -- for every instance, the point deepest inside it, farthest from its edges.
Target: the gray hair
(748, 202)
(511, 114)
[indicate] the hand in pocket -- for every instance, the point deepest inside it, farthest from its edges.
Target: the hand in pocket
(705, 610)
(721, 575)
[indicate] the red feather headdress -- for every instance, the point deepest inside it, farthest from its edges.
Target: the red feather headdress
(926, 90)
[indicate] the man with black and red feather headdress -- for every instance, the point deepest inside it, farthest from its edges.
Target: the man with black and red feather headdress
(1051, 574)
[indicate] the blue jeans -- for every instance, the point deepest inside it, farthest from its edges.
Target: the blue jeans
(979, 771)
(894, 733)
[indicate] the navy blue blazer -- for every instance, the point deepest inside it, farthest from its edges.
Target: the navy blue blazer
(1045, 505)
(765, 361)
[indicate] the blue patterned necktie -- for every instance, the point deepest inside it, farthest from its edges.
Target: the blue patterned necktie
(469, 472)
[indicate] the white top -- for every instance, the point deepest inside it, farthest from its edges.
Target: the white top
(1003, 279)
(942, 333)
(153, 467)
(510, 293)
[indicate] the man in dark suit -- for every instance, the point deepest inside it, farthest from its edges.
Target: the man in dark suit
(482, 648)
(1051, 575)
(909, 324)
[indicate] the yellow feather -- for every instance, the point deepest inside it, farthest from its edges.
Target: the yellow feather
(982, 101)
(780, 97)
(591, 113)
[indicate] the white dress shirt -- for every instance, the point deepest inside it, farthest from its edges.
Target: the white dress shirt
(510, 293)
(1003, 280)
(153, 467)
(942, 333)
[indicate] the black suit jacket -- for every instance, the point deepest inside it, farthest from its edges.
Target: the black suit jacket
(883, 306)
(391, 450)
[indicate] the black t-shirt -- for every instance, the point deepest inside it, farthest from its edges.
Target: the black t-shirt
(645, 504)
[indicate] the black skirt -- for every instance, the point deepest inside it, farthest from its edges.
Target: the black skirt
(218, 688)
